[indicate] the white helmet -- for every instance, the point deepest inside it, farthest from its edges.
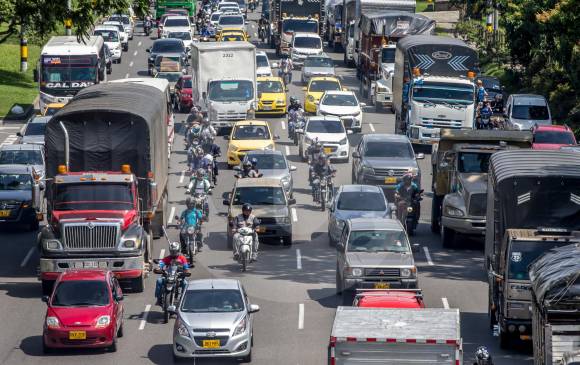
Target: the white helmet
(174, 248)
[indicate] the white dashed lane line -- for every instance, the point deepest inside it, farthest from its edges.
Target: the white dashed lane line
(294, 215)
(287, 151)
(161, 254)
(372, 127)
(131, 64)
(182, 177)
(28, 256)
(298, 259)
(135, 53)
(144, 319)
(301, 316)
(283, 124)
(170, 219)
(445, 303)
(428, 256)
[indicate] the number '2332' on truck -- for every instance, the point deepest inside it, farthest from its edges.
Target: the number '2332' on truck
(106, 170)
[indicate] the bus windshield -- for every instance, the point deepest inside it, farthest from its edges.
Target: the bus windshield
(68, 72)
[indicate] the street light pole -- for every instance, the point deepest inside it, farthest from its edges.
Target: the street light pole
(23, 47)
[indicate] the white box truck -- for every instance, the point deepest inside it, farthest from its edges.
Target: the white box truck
(395, 336)
(224, 81)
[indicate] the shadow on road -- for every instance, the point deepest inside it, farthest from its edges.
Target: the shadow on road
(20, 289)
(163, 355)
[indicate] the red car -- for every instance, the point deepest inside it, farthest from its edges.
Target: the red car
(84, 311)
(552, 137)
(389, 298)
(183, 94)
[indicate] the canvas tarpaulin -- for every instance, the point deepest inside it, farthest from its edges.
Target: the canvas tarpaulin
(396, 24)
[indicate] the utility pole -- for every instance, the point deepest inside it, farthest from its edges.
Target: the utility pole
(68, 21)
(23, 47)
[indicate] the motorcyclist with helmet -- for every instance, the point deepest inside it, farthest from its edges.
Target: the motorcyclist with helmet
(199, 185)
(174, 255)
(245, 219)
(321, 168)
(294, 104)
(405, 192)
(485, 113)
(312, 153)
(191, 217)
(285, 71)
(198, 160)
(482, 356)
(208, 132)
(214, 151)
(248, 170)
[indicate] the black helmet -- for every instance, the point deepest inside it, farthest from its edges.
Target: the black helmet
(189, 203)
(293, 100)
(247, 206)
(482, 356)
(247, 163)
(254, 161)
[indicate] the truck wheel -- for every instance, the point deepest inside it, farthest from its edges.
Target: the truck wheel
(447, 237)
(505, 340)
(138, 284)
(436, 215)
(287, 241)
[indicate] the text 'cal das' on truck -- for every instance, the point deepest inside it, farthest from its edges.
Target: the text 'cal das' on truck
(106, 182)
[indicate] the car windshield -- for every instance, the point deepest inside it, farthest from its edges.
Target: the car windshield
(554, 137)
(231, 20)
(167, 47)
(119, 26)
(212, 301)
(270, 87)
(473, 162)
(377, 241)
(523, 253)
(325, 126)
(108, 35)
(388, 55)
(225, 90)
(259, 195)
(534, 112)
(318, 62)
(339, 100)
(22, 157)
(172, 77)
(87, 196)
(35, 129)
(176, 22)
(215, 17)
(268, 162)
(15, 182)
(323, 85)
(243, 132)
(307, 42)
(361, 201)
(120, 18)
(389, 149)
(297, 25)
(443, 93)
(185, 36)
(262, 61)
(81, 293)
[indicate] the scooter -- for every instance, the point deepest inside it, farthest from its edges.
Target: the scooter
(245, 246)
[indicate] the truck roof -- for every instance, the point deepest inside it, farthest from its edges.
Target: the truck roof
(210, 46)
(430, 325)
(392, 23)
(70, 45)
(160, 84)
(454, 137)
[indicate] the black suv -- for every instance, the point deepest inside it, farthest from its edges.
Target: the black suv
(169, 47)
(16, 196)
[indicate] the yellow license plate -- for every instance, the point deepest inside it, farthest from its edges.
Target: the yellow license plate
(390, 180)
(77, 335)
(4, 213)
(382, 285)
(327, 150)
(210, 344)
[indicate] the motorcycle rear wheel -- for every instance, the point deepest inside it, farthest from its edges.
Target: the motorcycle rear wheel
(166, 299)
(244, 258)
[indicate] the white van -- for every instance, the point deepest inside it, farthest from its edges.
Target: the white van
(112, 39)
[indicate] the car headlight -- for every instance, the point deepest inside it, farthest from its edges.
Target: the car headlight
(129, 244)
(52, 322)
(405, 273)
(343, 141)
(311, 98)
(241, 327)
(269, 147)
(103, 321)
(285, 179)
(368, 170)
(355, 271)
(52, 245)
(182, 330)
(280, 101)
(454, 212)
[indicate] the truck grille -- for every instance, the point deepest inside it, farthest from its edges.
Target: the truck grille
(390, 172)
(441, 123)
(92, 236)
(385, 273)
(234, 117)
(477, 205)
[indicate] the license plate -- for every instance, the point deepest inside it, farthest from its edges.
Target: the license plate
(382, 285)
(210, 344)
(86, 265)
(267, 107)
(4, 213)
(327, 150)
(390, 180)
(77, 335)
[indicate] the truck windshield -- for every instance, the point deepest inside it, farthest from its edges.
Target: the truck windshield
(523, 253)
(82, 293)
(535, 112)
(259, 195)
(307, 42)
(439, 92)
(377, 241)
(388, 55)
(299, 25)
(86, 196)
(15, 182)
(473, 162)
(242, 90)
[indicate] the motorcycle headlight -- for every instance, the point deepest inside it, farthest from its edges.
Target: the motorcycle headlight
(454, 212)
(406, 273)
(182, 330)
(52, 245)
(343, 141)
(103, 321)
(190, 230)
(241, 327)
(52, 322)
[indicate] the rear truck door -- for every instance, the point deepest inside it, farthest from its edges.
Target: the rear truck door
(372, 351)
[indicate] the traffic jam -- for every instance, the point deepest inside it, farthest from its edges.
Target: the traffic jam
(285, 182)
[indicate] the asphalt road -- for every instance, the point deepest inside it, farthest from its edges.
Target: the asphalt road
(295, 287)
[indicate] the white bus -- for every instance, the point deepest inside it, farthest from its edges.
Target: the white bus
(67, 65)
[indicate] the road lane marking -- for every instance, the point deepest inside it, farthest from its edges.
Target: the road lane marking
(283, 124)
(300, 316)
(428, 256)
(287, 150)
(294, 215)
(139, 44)
(144, 320)
(170, 219)
(28, 256)
(135, 53)
(182, 177)
(445, 303)
(131, 64)
(298, 259)
(127, 76)
(161, 254)
(7, 128)
(372, 127)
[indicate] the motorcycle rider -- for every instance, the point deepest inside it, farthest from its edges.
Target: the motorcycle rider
(321, 168)
(198, 160)
(174, 255)
(482, 356)
(405, 191)
(294, 104)
(245, 219)
(147, 23)
(312, 154)
(199, 185)
(208, 132)
(263, 25)
(248, 170)
(285, 71)
(214, 151)
(485, 113)
(190, 217)
(481, 92)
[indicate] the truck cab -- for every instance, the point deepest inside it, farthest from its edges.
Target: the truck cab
(291, 25)
(382, 88)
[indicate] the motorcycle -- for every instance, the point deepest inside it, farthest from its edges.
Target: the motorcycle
(174, 275)
(147, 27)
(296, 121)
(409, 212)
(262, 33)
(323, 190)
(190, 238)
(245, 244)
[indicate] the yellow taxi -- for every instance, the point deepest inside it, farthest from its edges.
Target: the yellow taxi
(51, 109)
(248, 135)
(271, 95)
(231, 35)
(316, 88)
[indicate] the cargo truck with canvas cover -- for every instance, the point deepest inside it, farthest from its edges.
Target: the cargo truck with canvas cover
(106, 186)
(433, 86)
(460, 163)
(334, 29)
(556, 306)
(379, 33)
(294, 16)
(395, 336)
(531, 190)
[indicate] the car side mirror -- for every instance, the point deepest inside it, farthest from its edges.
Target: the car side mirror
(45, 298)
(19, 134)
(420, 156)
(362, 105)
(254, 308)
(293, 168)
(349, 131)
(148, 50)
(291, 201)
(415, 247)
(355, 154)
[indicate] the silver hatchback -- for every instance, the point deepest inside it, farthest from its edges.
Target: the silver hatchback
(214, 319)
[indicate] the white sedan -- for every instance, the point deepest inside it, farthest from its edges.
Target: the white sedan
(328, 130)
(344, 105)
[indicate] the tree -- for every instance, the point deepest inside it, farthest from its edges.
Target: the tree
(42, 17)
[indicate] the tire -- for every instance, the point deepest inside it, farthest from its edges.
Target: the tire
(447, 237)
(177, 359)
(347, 297)
(120, 60)
(244, 260)
(113, 347)
(435, 215)
(34, 225)
(138, 284)
(331, 241)
(505, 340)
(247, 358)
(287, 241)
(120, 331)
(165, 305)
(352, 177)
(46, 349)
